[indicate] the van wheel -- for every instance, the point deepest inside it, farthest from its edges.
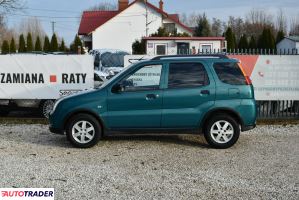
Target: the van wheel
(222, 131)
(83, 131)
(46, 108)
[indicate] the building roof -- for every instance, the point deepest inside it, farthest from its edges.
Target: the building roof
(91, 20)
(185, 38)
(294, 38)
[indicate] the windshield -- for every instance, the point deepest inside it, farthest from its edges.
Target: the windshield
(116, 76)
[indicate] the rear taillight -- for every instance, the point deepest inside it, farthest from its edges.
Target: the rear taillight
(247, 78)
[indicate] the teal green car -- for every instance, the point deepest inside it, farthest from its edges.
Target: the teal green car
(171, 94)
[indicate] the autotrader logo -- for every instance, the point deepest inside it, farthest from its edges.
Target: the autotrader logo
(27, 193)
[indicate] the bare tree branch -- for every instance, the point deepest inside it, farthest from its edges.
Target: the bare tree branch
(7, 6)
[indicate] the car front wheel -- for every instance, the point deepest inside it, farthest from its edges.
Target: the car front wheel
(83, 131)
(222, 131)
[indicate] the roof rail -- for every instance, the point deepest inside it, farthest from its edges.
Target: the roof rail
(219, 56)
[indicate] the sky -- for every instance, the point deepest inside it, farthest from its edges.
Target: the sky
(66, 13)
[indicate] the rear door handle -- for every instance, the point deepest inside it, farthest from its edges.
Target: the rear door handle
(152, 96)
(205, 92)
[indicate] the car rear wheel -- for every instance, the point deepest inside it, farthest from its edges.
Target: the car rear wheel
(222, 131)
(83, 131)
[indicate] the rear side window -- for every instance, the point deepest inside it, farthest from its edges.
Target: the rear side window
(229, 73)
(186, 75)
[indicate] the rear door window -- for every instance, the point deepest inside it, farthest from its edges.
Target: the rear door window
(229, 73)
(187, 75)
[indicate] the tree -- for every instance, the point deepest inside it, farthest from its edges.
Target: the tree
(10, 5)
(22, 44)
(77, 45)
(203, 27)
(5, 47)
(237, 26)
(252, 43)
(62, 46)
(294, 26)
(54, 43)
(32, 25)
(47, 47)
(139, 47)
(281, 21)
(160, 33)
(38, 44)
(243, 43)
(230, 38)
(280, 36)
(217, 27)
(266, 40)
(12, 46)
(29, 42)
(104, 6)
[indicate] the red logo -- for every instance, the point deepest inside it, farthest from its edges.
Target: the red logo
(53, 79)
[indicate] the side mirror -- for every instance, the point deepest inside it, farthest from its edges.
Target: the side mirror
(117, 88)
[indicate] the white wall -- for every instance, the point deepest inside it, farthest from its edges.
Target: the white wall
(286, 44)
(121, 31)
(171, 45)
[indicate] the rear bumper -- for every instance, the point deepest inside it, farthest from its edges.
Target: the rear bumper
(247, 128)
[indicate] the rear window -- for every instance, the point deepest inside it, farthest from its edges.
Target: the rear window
(229, 73)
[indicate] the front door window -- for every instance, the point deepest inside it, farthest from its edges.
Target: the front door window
(146, 78)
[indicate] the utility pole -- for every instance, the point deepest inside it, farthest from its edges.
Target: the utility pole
(53, 27)
(146, 19)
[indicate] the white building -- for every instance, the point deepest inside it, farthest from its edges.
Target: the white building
(289, 45)
(119, 29)
(183, 45)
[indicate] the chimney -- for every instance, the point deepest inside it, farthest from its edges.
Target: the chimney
(122, 4)
(161, 5)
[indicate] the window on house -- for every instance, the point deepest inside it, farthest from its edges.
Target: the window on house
(170, 27)
(206, 48)
(187, 75)
(161, 50)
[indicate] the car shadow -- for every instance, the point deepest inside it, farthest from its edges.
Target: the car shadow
(185, 140)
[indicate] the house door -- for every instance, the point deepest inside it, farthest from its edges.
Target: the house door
(183, 48)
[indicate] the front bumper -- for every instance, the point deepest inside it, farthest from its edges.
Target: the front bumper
(56, 130)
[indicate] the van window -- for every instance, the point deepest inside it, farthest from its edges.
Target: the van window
(186, 75)
(229, 73)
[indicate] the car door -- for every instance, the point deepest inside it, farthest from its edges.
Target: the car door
(189, 94)
(139, 103)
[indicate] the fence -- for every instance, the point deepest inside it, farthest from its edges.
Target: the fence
(238, 51)
(278, 109)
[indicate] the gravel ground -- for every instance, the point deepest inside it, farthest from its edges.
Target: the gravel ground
(264, 164)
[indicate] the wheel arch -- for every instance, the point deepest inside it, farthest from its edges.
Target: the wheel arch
(226, 111)
(83, 111)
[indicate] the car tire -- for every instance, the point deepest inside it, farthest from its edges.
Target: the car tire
(222, 131)
(46, 107)
(83, 131)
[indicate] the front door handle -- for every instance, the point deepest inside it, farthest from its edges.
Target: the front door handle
(205, 92)
(152, 96)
